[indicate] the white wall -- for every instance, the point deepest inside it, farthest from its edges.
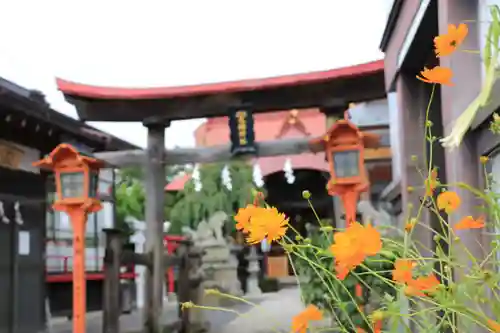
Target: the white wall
(484, 19)
(370, 113)
(495, 171)
(57, 251)
(394, 133)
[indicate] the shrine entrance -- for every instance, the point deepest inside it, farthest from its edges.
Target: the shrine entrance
(287, 197)
(329, 91)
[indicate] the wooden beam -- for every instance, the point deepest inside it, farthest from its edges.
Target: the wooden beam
(381, 153)
(213, 154)
(111, 301)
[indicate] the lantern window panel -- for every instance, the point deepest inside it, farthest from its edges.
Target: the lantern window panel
(72, 184)
(346, 163)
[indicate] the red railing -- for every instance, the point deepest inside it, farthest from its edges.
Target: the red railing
(171, 242)
(66, 274)
(55, 274)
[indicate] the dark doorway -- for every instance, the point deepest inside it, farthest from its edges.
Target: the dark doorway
(288, 198)
(22, 265)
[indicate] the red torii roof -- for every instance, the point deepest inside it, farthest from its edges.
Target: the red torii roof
(98, 92)
(323, 88)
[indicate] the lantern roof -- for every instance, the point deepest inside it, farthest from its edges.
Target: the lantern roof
(370, 140)
(63, 152)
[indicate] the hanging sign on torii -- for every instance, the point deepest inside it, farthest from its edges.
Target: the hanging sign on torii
(241, 128)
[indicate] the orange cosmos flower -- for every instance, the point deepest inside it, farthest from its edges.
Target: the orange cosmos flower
(448, 201)
(468, 222)
(422, 285)
(342, 271)
(437, 75)
(266, 223)
(410, 224)
(242, 218)
(494, 326)
(353, 245)
(347, 250)
(431, 183)
(402, 272)
(448, 43)
(377, 326)
(300, 322)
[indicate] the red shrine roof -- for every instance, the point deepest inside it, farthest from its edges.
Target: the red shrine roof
(323, 88)
(177, 184)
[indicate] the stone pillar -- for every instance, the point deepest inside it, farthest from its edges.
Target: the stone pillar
(412, 102)
(155, 184)
(253, 272)
(463, 164)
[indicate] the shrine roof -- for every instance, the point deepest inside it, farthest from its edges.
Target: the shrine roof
(315, 89)
(177, 184)
(23, 103)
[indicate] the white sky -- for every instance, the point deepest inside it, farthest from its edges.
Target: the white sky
(169, 43)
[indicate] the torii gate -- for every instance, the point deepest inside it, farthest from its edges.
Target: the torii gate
(331, 91)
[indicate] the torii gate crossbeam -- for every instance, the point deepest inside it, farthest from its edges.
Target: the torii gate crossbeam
(220, 153)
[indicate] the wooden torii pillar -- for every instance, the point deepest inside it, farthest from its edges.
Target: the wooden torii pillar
(154, 184)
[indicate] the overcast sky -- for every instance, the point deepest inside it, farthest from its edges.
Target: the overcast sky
(169, 43)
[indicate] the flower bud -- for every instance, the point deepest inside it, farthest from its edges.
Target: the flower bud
(378, 315)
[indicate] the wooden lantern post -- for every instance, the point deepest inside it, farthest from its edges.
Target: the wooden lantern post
(344, 145)
(76, 177)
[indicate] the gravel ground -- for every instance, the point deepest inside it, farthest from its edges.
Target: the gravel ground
(274, 314)
(128, 323)
(132, 322)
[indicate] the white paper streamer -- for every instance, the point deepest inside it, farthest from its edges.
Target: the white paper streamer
(288, 170)
(226, 178)
(257, 175)
(196, 178)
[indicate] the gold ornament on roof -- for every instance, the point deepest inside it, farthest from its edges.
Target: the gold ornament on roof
(292, 119)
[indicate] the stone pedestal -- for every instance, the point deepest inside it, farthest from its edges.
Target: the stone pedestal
(220, 269)
(253, 272)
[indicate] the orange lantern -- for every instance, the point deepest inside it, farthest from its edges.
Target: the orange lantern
(76, 178)
(344, 145)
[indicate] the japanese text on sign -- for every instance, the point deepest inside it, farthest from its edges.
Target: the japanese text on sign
(241, 117)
